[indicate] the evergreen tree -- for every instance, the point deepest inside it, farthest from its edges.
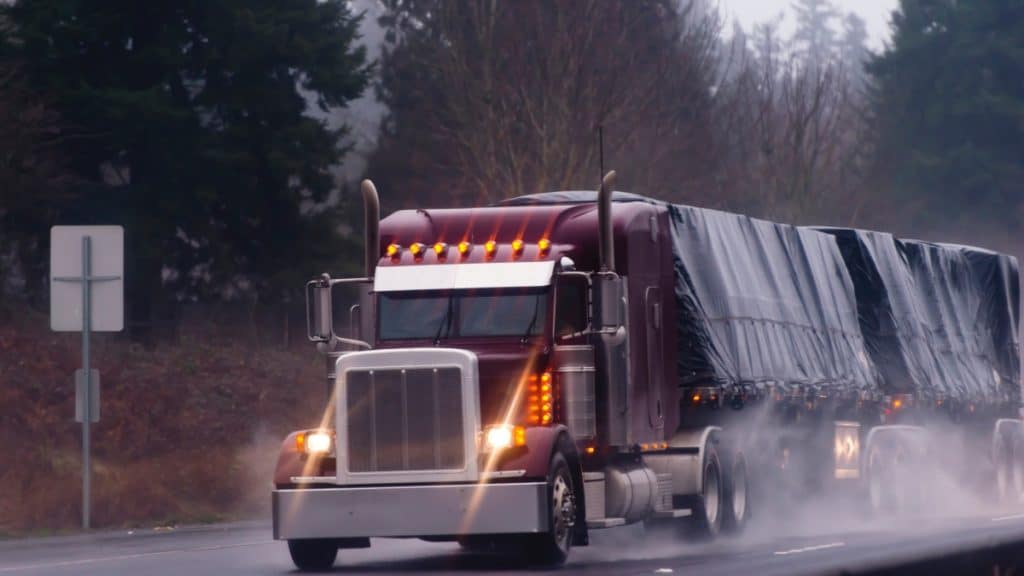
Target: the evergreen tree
(814, 38)
(196, 134)
(950, 102)
(853, 49)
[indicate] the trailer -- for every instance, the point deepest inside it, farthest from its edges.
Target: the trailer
(515, 376)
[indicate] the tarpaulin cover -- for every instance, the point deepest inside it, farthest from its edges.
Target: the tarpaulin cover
(938, 319)
(758, 303)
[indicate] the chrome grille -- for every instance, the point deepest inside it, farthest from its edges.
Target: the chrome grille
(404, 419)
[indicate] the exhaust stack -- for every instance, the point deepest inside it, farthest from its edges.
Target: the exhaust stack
(604, 220)
(371, 211)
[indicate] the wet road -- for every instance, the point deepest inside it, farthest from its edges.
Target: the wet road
(827, 546)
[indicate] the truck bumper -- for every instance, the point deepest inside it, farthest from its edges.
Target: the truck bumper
(436, 510)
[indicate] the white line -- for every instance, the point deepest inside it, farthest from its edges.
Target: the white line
(810, 548)
(128, 556)
(1005, 518)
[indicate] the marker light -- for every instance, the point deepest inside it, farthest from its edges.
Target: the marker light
(441, 249)
(417, 249)
(465, 247)
(544, 245)
(517, 246)
(490, 248)
(540, 405)
(394, 250)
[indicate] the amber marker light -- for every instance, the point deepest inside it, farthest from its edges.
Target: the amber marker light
(393, 250)
(465, 247)
(696, 398)
(591, 450)
(417, 249)
(543, 245)
(490, 248)
(441, 249)
(517, 246)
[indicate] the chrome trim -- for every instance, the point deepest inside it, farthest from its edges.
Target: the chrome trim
(312, 479)
(463, 276)
(503, 474)
(411, 358)
(437, 510)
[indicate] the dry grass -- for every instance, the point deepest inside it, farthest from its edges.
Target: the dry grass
(189, 431)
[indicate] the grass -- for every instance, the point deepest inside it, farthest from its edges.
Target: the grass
(189, 431)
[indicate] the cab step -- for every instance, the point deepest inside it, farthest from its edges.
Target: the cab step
(675, 513)
(597, 523)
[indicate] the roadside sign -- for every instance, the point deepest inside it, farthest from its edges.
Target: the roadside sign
(86, 295)
(105, 276)
(92, 395)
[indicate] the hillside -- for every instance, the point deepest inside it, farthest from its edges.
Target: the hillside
(189, 430)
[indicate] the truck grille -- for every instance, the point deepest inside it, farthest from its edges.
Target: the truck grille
(404, 419)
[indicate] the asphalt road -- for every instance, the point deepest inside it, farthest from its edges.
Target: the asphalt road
(812, 545)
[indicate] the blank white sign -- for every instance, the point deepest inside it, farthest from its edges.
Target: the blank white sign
(107, 259)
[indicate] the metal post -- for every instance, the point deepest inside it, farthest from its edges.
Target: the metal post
(87, 409)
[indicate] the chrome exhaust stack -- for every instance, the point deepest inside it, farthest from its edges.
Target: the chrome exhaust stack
(604, 221)
(371, 218)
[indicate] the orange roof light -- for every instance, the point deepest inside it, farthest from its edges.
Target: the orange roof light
(441, 249)
(517, 246)
(417, 249)
(465, 247)
(544, 245)
(393, 250)
(491, 247)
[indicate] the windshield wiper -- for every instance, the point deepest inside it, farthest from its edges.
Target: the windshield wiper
(533, 322)
(445, 322)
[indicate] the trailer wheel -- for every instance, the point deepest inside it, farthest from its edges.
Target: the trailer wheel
(313, 555)
(552, 547)
(706, 521)
(737, 506)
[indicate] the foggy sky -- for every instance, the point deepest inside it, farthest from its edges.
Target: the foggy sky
(874, 12)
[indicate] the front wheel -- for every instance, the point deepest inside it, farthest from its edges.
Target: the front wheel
(552, 547)
(313, 555)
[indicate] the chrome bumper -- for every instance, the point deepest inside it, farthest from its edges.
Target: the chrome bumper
(436, 510)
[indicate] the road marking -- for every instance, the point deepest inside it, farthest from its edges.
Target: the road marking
(663, 571)
(810, 548)
(1005, 518)
(128, 556)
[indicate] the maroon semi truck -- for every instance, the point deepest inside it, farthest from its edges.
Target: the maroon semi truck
(515, 376)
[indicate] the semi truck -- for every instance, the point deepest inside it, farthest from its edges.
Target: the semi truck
(518, 375)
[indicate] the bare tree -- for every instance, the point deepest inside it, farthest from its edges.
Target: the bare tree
(493, 99)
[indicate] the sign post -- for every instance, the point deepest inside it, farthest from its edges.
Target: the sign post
(96, 304)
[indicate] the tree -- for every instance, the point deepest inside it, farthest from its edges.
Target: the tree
(198, 136)
(488, 100)
(853, 49)
(814, 38)
(949, 105)
(34, 179)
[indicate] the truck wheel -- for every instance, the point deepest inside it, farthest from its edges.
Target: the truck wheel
(313, 555)
(552, 547)
(706, 521)
(1003, 463)
(736, 505)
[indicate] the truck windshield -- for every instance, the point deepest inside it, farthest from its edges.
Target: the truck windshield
(520, 312)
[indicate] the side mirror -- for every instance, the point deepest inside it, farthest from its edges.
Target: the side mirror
(319, 315)
(607, 301)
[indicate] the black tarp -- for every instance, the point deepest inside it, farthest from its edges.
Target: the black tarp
(758, 303)
(938, 319)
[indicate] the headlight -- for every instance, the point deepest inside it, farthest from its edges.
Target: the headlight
(318, 442)
(503, 436)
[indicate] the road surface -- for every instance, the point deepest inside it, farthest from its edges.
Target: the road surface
(828, 547)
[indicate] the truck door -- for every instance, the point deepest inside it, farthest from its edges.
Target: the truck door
(655, 360)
